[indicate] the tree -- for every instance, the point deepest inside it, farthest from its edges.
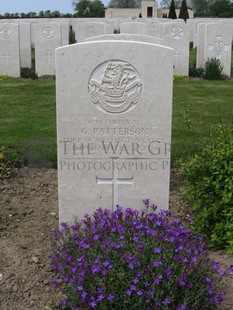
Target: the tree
(221, 8)
(172, 11)
(184, 11)
(97, 9)
(201, 7)
(124, 4)
(165, 4)
(88, 8)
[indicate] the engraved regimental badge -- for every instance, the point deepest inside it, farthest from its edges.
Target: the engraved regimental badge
(115, 87)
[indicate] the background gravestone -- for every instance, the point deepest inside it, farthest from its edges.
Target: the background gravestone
(9, 50)
(25, 45)
(48, 37)
(176, 36)
(127, 37)
(113, 125)
(89, 29)
(218, 44)
(134, 27)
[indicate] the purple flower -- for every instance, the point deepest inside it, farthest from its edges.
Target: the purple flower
(79, 288)
(168, 272)
(146, 201)
(166, 302)
(140, 293)
(182, 280)
(93, 304)
(158, 263)
(110, 297)
(158, 279)
(157, 250)
(64, 302)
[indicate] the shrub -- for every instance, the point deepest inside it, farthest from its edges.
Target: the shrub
(208, 187)
(72, 39)
(133, 260)
(29, 73)
(213, 69)
(9, 161)
(196, 72)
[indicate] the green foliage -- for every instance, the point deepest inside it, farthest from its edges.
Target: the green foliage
(208, 188)
(124, 4)
(200, 8)
(179, 77)
(196, 72)
(172, 11)
(221, 8)
(9, 161)
(29, 73)
(5, 77)
(72, 36)
(184, 11)
(213, 69)
(42, 14)
(88, 8)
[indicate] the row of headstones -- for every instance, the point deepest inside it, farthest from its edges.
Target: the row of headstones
(15, 48)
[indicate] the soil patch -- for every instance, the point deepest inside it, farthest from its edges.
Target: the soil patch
(28, 216)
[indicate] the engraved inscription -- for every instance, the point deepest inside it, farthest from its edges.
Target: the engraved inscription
(49, 57)
(115, 87)
(219, 47)
(177, 33)
(47, 32)
(5, 33)
(6, 56)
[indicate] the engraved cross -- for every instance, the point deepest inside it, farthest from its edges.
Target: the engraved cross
(219, 46)
(114, 181)
(175, 57)
(49, 56)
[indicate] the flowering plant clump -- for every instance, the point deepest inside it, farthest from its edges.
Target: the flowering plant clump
(130, 259)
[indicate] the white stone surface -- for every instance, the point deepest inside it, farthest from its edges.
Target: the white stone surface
(114, 105)
(134, 27)
(9, 50)
(25, 45)
(218, 44)
(127, 37)
(200, 60)
(89, 29)
(176, 36)
(47, 38)
(65, 28)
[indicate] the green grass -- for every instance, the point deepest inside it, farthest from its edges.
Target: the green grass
(202, 104)
(28, 116)
(28, 119)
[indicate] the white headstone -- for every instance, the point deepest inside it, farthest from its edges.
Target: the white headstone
(218, 44)
(25, 45)
(134, 27)
(86, 30)
(200, 58)
(9, 50)
(176, 36)
(114, 125)
(47, 38)
(127, 37)
(65, 28)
